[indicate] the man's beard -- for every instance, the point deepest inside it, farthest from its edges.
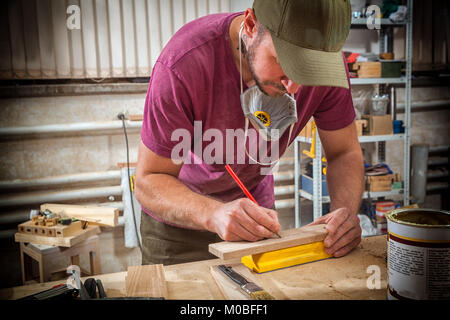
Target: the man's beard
(249, 54)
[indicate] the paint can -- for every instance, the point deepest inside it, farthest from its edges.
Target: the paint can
(381, 209)
(418, 254)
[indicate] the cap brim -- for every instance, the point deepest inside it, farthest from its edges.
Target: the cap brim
(311, 67)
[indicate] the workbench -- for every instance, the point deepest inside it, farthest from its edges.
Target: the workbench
(330, 279)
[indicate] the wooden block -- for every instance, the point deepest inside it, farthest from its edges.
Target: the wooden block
(104, 216)
(289, 238)
(65, 231)
(369, 69)
(379, 125)
(380, 183)
(387, 56)
(146, 281)
(307, 130)
(125, 165)
(48, 240)
(135, 117)
(360, 125)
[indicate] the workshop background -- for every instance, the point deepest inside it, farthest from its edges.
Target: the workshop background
(65, 81)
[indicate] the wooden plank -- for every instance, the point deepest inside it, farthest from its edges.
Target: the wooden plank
(58, 241)
(51, 231)
(289, 238)
(135, 117)
(104, 216)
(125, 165)
(146, 281)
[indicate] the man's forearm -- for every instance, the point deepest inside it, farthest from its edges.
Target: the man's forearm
(345, 180)
(171, 200)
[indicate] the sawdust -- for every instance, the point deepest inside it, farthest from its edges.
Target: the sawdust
(375, 246)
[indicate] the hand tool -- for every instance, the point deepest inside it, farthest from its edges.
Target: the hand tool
(243, 188)
(58, 292)
(250, 288)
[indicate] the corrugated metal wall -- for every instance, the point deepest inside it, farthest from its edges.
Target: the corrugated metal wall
(117, 38)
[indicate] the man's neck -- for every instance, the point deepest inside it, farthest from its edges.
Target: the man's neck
(235, 26)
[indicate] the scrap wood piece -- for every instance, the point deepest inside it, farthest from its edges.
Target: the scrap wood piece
(135, 117)
(146, 281)
(69, 241)
(50, 230)
(103, 216)
(289, 238)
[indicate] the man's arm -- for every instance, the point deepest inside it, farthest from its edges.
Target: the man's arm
(159, 190)
(345, 180)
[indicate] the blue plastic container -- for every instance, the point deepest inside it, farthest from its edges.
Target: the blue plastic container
(398, 126)
(307, 184)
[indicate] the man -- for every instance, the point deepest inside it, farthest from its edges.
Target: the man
(288, 48)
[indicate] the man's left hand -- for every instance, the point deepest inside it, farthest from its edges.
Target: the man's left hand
(344, 231)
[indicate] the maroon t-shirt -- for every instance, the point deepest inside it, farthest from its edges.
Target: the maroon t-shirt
(195, 79)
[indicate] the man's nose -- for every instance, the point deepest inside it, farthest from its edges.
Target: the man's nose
(291, 86)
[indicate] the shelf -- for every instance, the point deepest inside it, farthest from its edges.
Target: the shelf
(393, 192)
(362, 22)
(389, 137)
(326, 199)
(309, 196)
(386, 37)
(362, 81)
(365, 139)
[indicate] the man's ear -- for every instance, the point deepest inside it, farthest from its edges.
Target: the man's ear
(249, 23)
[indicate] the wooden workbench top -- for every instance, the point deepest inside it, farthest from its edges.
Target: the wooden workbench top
(335, 278)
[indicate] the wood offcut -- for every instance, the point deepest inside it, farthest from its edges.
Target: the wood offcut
(103, 216)
(289, 238)
(146, 281)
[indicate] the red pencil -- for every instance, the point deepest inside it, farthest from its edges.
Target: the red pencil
(243, 188)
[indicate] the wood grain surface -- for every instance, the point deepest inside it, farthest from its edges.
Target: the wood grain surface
(289, 238)
(146, 281)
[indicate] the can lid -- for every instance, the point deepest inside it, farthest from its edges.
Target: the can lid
(420, 217)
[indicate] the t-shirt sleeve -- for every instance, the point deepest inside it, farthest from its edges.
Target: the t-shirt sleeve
(336, 110)
(167, 108)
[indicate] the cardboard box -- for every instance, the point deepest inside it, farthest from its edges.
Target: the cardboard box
(380, 183)
(360, 125)
(369, 69)
(378, 125)
(307, 130)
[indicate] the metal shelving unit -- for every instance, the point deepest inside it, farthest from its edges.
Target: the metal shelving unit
(317, 197)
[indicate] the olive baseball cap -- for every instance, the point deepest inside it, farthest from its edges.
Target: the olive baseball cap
(308, 36)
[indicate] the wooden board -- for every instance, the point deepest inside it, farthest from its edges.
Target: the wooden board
(146, 281)
(77, 237)
(104, 216)
(125, 165)
(135, 117)
(55, 231)
(289, 238)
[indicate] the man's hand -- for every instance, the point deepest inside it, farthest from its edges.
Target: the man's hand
(242, 219)
(344, 231)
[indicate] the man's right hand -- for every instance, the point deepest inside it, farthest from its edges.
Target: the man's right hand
(242, 219)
